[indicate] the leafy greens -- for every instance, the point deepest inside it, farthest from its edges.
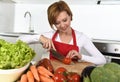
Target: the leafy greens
(15, 55)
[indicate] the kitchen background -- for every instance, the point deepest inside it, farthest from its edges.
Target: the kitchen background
(98, 19)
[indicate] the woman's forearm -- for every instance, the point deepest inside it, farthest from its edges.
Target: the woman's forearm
(29, 38)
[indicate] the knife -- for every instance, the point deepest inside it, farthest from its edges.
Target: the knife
(57, 55)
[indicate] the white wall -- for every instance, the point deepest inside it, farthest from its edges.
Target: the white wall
(6, 17)
(38, 21)
(96, 21)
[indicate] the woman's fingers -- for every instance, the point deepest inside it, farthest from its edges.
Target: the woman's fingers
(53, 46)
(48, 45)
(72, 54)
(45, 45)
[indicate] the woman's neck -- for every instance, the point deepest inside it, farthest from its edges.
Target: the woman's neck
(67, 33)
(66, 37)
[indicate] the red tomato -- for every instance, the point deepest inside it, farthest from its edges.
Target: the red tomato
(61, 70)
(73, 77)
(59, 78)
(67, 60)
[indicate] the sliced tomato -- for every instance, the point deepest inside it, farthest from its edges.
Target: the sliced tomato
(67, 61)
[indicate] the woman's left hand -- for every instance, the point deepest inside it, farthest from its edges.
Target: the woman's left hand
(73, 53)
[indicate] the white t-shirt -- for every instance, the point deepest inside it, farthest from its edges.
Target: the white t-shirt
(94, 56)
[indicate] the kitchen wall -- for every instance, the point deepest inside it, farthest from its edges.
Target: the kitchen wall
(6, 17)
(96, 21)
(38, 17)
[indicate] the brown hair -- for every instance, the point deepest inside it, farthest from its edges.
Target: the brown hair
(54, 10)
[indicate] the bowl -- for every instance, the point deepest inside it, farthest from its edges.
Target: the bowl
(11, 75)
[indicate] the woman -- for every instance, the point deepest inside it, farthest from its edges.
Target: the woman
(65, 39)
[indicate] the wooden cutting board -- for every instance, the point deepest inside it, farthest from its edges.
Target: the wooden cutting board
(77, 67)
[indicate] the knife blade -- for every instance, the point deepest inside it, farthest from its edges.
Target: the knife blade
(57, 55)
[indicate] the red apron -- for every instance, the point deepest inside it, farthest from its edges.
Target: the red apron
(64, 48)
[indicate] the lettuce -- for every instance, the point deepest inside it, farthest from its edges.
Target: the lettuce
(15, 55)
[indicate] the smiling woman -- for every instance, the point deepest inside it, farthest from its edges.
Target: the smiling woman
(65, 39)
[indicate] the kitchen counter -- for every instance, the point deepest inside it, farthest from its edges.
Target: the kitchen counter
(12, 36)
(77, 67)
(105, 41)
(15, 34)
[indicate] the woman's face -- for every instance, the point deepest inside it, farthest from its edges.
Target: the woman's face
(63, 22)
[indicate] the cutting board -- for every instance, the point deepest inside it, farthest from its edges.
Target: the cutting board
(77, 67)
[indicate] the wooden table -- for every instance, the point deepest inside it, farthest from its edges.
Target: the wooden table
(77, 67)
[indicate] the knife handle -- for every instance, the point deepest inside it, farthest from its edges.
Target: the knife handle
(42, 44)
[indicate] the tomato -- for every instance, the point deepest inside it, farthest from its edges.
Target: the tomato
(73, 77)
(61, 70)
(59, 78)
(67, 60)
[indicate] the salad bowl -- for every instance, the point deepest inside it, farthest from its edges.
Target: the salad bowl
(11, 75)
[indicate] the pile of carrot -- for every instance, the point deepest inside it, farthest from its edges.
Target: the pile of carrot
(37, 74)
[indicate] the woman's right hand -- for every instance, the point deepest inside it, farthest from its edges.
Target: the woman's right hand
(47, 43)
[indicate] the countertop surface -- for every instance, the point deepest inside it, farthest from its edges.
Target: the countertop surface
(77, 67)
(15, 34)
(106, 41)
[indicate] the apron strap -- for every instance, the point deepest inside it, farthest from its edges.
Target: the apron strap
(55, 35)
(73, 36)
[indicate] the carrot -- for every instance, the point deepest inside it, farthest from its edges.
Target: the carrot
(37, 81)
(24, 78)
(30, 76)
(35, 72)
(46, 79)
(43, 71)
(44, 74)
